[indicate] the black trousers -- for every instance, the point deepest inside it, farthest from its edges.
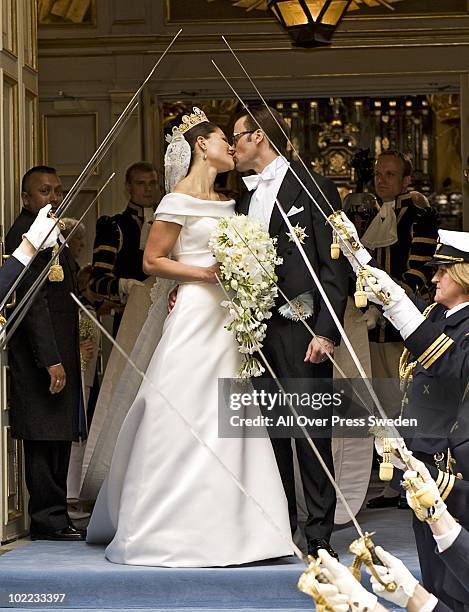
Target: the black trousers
(285, 348)
(46, 468)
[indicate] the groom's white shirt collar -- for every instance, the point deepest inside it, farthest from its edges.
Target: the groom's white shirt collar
(266, 185)
(279, 164)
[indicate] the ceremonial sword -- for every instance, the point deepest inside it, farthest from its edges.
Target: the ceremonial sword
(92, 163)
(22, 308)
(188, 425)
(317, 282)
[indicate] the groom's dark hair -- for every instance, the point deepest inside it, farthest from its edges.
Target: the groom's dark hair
(262, 118)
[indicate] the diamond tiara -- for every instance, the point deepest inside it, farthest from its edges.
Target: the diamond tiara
(189, 121)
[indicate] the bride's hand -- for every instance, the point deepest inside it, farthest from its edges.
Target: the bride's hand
(172, 299)
(211, 273)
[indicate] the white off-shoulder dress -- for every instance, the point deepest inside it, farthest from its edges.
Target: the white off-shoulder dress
(166, 500)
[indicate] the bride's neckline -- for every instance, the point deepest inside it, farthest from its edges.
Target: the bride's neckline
(186, 195)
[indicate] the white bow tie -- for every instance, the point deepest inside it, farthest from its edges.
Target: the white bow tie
(252, 182)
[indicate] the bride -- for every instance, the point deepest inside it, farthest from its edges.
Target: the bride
(167, 501)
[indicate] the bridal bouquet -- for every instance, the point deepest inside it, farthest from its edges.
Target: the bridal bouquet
(247, 258)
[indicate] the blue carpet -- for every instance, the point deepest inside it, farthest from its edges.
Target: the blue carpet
(90, 582)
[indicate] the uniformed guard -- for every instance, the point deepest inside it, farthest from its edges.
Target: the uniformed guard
(120, 241)
(403, 235)
(434, 367)
(402, 238)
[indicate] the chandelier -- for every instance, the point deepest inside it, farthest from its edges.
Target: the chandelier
(311, 23)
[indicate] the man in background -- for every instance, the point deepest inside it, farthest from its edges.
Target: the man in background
(46, 410)
(402, 239)
(120, 241)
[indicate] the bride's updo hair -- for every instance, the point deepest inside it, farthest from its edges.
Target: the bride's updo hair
(201, 129)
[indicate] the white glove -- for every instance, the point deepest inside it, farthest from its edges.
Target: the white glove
(338, 602)
(41, 226)
(393, 458)
(393, 570)
(125, 287)
(400, 311)
(361, 254)
(419, 467)
(341, 577)
(382, 282)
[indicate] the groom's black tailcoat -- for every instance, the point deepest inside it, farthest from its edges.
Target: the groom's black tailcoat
(286, 341)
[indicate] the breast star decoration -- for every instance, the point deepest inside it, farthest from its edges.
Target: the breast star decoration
(300, 233)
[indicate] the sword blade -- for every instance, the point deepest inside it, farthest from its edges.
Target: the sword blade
(342, 332)
(22, 308)
(96, 158)
(193, 432)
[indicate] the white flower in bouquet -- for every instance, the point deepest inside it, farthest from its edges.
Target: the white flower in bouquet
(247, 257)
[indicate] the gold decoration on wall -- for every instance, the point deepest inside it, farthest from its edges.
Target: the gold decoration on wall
(446, 108)
(72, 11)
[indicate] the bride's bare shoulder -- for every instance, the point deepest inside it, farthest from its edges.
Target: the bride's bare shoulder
(223, 197)
(180, 190)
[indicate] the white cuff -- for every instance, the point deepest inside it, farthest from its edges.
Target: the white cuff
(447, 539)
(430, 604)
(404, 316)
(21, 257)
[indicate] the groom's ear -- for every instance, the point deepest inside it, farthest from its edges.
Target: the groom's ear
(259, 136)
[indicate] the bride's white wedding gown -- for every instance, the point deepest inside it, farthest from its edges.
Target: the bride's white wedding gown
(166, 500)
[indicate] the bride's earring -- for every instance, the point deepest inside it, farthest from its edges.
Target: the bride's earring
(205, 156)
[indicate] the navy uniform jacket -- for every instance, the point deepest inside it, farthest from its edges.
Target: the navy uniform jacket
(440, 346)
(8, 274)
(436, 395)
(444, 574)
(456, 558)
(404, 261)
(441, 607)
(117, 253)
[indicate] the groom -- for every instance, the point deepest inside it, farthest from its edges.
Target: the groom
(288, 345)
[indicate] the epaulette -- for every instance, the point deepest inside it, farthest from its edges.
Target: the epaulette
(107, 228)
(406, 368)
(104, 222)
(421, 205)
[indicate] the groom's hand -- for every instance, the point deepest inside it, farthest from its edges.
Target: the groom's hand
(318, 349)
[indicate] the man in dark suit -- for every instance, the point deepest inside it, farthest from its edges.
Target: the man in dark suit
(32, 240)
(288, 345)
(45, 402)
